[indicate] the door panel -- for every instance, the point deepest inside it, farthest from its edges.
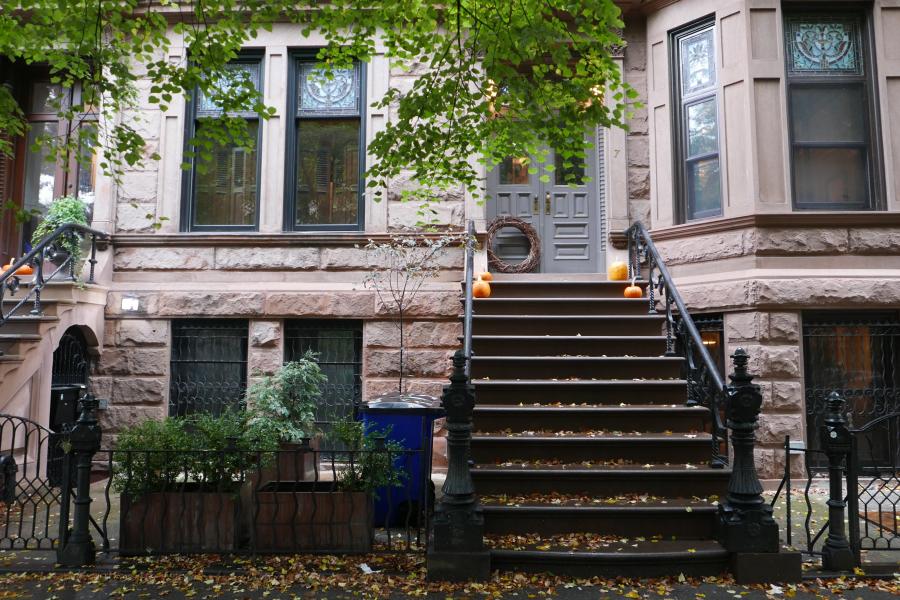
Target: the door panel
(567, 217)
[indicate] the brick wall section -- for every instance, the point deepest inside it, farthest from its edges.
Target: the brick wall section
(773, 341)
(637, 141)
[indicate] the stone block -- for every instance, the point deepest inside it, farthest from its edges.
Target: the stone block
(134, 361)
(141, 332)
(423, 334)
(418, 363)
(132, 218)
(875, 241)
(102, 387)
(139, 186)
(802, 241)
(282, 259)
(773, 427)
(638, 151)
(264, 361)
(843, 292)
(320, 304)
(639, 183)
(716, 296)
(117, 418)
(163, 259)
(782, 327)
(787, 396)
(778, 362)
(139, 390)
(374, 387)
(717, 246)
(766, 467)
(146, 304)
(741, 326)
(448, 211)
(426, 304)
(765, 388)
(346, 259)
(211, 303)
(265, 334)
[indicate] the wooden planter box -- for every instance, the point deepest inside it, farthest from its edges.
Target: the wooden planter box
(188, 520)
(307, 517)
(292, 464)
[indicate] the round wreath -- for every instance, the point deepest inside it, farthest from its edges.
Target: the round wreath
(534, 254)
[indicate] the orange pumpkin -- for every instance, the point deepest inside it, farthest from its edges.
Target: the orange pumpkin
(485, 276)
(617, 271)
(23, 270)
(481, 289)
(633, 291)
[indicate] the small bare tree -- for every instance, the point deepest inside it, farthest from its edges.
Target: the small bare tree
(400, 267)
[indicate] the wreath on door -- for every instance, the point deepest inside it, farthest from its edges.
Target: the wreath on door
(534, 246)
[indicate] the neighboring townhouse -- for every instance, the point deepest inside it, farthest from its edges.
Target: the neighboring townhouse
(762, 161)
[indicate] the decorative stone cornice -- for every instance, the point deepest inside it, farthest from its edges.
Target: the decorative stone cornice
(796, 220)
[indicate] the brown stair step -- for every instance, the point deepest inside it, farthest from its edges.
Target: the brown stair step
(537, 324)
(680, 519)
(27, 324)
(628, 559)
(638, 449)
(559, 367)
(607, 391)
(656, 417)
(552, 288)
(549, 345)
(657, 480)
(562, 306)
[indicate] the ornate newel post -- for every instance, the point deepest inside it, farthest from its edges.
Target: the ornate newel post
(835, 439)
(76, 546)
(745, 519)
(746, 527)
(456, 546)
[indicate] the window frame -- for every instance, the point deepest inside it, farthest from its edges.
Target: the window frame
(297, 57)
(189, 177)
(680, 102)
(874, 169)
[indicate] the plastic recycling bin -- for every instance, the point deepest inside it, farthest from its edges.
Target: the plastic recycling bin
(409, 421)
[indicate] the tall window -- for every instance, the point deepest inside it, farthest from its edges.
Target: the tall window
(829, 75)
(324, 187)
(208, 369)
(698, 180)
(223, 192)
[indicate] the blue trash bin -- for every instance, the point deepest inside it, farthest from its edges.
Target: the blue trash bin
(409, 420)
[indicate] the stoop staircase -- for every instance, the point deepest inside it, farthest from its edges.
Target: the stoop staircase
(585, 457)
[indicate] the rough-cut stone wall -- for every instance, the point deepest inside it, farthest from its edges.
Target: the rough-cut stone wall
(637, 141)
(773, 340)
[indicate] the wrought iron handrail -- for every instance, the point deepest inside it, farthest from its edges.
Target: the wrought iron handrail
(706, 386)
(47, 248)
(470, 270)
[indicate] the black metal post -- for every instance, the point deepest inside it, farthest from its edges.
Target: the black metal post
(835, 439)
(77, 548)
(745, 519)
(456, 549)
(93, 259)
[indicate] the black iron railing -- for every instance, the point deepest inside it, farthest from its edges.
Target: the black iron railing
(706, 387)
(49, 250)
(470, 272)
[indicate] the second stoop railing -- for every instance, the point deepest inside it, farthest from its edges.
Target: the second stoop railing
(705, 385)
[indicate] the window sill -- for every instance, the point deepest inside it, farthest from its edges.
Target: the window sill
(254, 239)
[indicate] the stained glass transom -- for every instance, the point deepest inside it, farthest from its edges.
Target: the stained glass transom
(320, 95)
(237, 74)
(824, 46)
(698, 62)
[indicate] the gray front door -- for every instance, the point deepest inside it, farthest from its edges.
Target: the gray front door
(566, 216)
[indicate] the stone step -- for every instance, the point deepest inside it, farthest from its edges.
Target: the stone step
(27, 324)
(537, 324)
(16, 343)
(555, 345)
(632, 448)
(606, 392)
(562, 306)
(651, 417)
(549, 288)
(576, 367)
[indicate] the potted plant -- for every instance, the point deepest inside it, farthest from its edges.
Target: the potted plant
(333, 515)
(180, 480)
(67, 209)
(283, 408)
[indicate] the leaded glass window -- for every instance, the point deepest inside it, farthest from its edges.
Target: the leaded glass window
(223, 194)
(697, 125)
(324, 187)
(830, 106)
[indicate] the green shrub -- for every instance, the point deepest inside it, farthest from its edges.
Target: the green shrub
(67, 209)
(284, 404)
(371, 460)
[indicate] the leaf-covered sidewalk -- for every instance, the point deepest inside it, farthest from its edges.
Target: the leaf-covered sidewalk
(399, 577)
